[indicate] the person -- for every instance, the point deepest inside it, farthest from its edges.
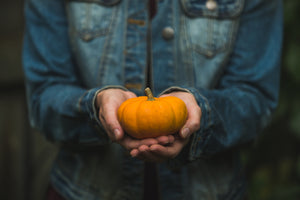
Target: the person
(83, 58)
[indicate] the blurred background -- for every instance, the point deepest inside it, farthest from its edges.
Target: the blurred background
(272, 164)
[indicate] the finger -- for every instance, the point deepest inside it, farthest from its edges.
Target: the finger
(163, 151)
(129, 95)
(134, 152)
(171, 138)
(146, 155)
(108, 102)
(130, 143)
(143, 148)
(135, 144)
(192, 124)
(170, 151)
(109, 120)
(165, 140)
(155, 153)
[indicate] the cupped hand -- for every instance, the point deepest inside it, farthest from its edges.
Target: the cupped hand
(108, 102)
(159, 152)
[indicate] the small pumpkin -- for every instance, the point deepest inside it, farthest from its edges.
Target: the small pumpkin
(148, 116)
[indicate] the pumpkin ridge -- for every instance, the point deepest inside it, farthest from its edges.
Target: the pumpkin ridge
(173, 125)
(137, 124)
(128, 122)
(179, 108)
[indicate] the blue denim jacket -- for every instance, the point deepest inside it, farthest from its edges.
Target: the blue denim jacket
(227, 56)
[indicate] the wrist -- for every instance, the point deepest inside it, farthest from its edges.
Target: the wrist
(99, 93)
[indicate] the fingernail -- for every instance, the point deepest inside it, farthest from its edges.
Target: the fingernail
(133, 153)
(117, 134)
(185, 132)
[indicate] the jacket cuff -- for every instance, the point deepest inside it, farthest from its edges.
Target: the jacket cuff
(195, 149)
(87, 104)
(199, 138)
(175, 89)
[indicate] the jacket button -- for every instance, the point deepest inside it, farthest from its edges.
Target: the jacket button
(87, 37)
(211, 5)
(209, 54)
(168, 33)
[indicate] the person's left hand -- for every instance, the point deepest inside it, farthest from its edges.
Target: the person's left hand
(159, 152)
(108, 102)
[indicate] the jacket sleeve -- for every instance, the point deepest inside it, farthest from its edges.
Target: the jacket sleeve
(241, 105)
(59, 105)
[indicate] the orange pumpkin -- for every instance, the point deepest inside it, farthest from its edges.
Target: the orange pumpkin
(148, 116)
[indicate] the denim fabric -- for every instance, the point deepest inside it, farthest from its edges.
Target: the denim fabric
(228, 58)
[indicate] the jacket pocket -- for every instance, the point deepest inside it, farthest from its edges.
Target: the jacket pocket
(211, 24)
(89, 19)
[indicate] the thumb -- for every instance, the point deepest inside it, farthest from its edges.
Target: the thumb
(109, 119)
(118, 134)
(192, 124)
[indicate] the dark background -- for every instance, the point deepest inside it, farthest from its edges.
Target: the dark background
(272, 163)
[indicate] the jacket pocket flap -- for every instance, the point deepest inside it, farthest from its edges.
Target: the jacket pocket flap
(102, 2)
(219, 8)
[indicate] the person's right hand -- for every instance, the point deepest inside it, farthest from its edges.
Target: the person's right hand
(161, 153)
(108, 101)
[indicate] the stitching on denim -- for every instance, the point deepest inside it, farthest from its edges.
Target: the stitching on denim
(208, 121)
(85, 30)
(134, 43)
(79, 106)
(175, 50)
(133, 58)
(107, 47)
(233, 33)
(93, 34)
(124, 42)
(98, 2)
(210, 51)
(135, 27)
(188, 57)
(210, 34)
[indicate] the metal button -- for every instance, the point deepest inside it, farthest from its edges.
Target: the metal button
(211, 5)
(87, 37)
(209, 54)
(168, 33)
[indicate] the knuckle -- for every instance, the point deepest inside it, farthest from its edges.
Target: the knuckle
(102, 117)
(195, 124)
(198, 110)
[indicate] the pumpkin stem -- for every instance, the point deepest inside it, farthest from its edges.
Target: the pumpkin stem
(149, 94)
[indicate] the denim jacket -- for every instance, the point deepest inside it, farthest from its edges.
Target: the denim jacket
(225, 52)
